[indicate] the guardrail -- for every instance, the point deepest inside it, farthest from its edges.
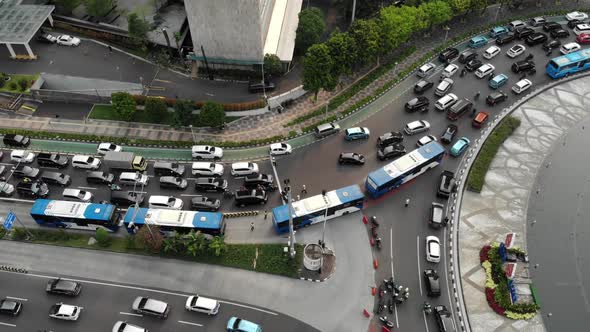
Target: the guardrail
(15, 269)
(241, 214)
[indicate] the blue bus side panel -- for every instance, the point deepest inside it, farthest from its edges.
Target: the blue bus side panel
(39, 206)
(139, 218)
(208, 220)
(99, 212)
(279, 214)
(349, 194)
(431, 150)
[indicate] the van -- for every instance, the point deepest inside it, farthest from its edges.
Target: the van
(77, 195)
(52, 160)
(516, 25)
(131, 178)
(498, 31)
(444, 320)
(165, 202)
(85, 162)
(16, 140)
(582, 28)
(491, 52)
(426, 69)
(202, 304)
(478, 41)
(164, 168)
(203, 168)
(206, 152)
(445, 102)
(484, 70)
(459, 108)
(326, 129)
(569, 48)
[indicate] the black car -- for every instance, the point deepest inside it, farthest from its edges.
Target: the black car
(211, 184)
(446, 184)
(10, 307)
(203, 203)
(417, 104)
(444, 320)
(16, 140)
(257, 86)
(536, 38)
(391, 151)
(24, 171)
(100, 177)
(57, 178)
(34, 189)
(449, 134)
(266, 181)
(173, 182)
(523, 32)
(467, 56)
(572, 24)
(448, 54)
(250, 196)
(559, 33)
(432, 281)
(389, 138)
(422, 86)
(505, 39)
(496, 97)
(63, 287)
(473, 65)
(351, 158)
(550, 26)
(45, 159)
(126, 198)
(551, 44)
(46, 38)
(523, 65)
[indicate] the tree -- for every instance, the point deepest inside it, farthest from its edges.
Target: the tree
(343, 52)
(367, 38)
(98, 8)
(217, 245)
(151, 241)
(23, 84)
(195, 243)
(437, 12)
(68, 5)
(398, 24)
(138, 27)
(124, 105)
(102, 237)
(183, 113)
(459, 6)
(318, 70)
(272, 65)
(212, 114)
(478, 5)
(310, 29)
(155, 109)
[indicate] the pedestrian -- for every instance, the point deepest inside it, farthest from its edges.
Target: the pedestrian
(463, 72)
(303, 190)
(298, 197)
(251, 226)
(265, 214)
(549, 51)
(441, 78)
(473, 112)
(110, 49)
(407, 202)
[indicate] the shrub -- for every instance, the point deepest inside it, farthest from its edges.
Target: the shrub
(151, 241)
(124, 105)
(103, 238)
(19, 234)
(2, 82)
(2, 232)
(23, 84)
(12, 86)
(212, 115)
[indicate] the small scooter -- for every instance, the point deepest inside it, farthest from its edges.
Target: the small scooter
(386, 321)
(427, 308)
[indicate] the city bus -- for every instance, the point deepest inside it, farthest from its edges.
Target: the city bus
(404, 169)
(75, 215)
(174, 221)
(569, 64)
(311, 210)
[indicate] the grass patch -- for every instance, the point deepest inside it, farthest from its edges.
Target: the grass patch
(482, 163)
(14, 84)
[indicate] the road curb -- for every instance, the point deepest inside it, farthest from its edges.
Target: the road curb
(9, 268)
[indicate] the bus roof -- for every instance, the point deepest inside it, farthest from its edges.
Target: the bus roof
(572, 57)
(317, 202)
(72, 209)
(175, 218)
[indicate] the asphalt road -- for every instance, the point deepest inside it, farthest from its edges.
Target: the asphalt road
(105, 303)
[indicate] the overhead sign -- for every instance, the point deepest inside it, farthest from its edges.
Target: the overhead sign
(10, 218)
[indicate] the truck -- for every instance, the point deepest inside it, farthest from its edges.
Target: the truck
(127, 161)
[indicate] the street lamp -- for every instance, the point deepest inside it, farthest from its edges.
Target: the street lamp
(446, 28)
(323, 243)
(192, 132)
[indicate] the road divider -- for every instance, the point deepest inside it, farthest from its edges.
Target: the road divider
(15, 269)
(241, 214)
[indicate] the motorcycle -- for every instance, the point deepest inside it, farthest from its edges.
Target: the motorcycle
(115, 187)
(378, 243)
(380, 307)
(374, 232)
(390, 306)
(386, 321)
(374, 222)
(427, 308)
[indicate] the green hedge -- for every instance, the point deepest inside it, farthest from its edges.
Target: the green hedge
(482, 163)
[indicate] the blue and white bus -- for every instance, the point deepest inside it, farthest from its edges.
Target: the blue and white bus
(311, 210)
(75, 215)
(174, 221)
(569, 64)
(404, 169)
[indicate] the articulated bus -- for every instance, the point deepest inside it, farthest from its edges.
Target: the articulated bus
(75, 215)
(174, 221)
(404, 169)
(311, 210)
(569, 64)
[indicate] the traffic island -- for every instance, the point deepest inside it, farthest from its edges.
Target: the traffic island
(319, 264)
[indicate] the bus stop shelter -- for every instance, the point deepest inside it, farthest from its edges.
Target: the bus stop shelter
(19, 23)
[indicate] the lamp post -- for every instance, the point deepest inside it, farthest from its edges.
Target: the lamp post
(291, 231)
(323, 243)
(497, 12)
(446, 28)
(192, 132)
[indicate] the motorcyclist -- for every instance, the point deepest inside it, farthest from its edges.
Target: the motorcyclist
(427, 307)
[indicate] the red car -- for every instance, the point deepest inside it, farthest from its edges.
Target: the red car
(480, 119)
(583, 38)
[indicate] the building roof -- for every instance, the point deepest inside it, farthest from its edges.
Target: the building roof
(19, 23)
(281, 32)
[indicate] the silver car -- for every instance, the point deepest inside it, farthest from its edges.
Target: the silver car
(149, 306)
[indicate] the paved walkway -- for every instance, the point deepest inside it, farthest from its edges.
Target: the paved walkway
(501, 207)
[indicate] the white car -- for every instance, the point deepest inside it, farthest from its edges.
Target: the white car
(133, 179)
(244, 168)
(85, 162)
(416, 127)
(522, 86)
(515, 51)
(426, 69)
(122, 326)
(65, 311)
(425, 140)
(484, 70)
(432, 249)
(569, 48)
(77, 195)
(450, 70)
(103, 148)
(22, 156)
(516, 25)
(207, 152)
(68, 40)
(165, 202)
(443, 87)
(277, 149)
(491, 52)
(205, 168)
(576, 16)
(446, 101)
(202, 304)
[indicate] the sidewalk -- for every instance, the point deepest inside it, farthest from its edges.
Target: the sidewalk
(502, 205)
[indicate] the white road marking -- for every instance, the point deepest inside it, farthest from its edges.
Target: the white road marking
(130, 314)
(418, 256)
(425, 322)
(209, 94)
(17, 200)
(93, 188)
(392, 274)
(189, 323)
(190, 195)
(16, 298)
(6, 324)
(7, 164)
(142, 289)
(449, 287)
(396, 317)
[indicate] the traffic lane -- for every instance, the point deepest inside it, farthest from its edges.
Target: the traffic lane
(105, 303)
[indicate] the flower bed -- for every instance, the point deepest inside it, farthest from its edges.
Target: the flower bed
(497, 293)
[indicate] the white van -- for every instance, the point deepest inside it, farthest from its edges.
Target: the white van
(569, 48)
(202, 304)
(522, 86)
(491, 52)
(77, 195)
(206, 152)
(426, 70)
(203, 168)
(85, 162)
(484, 70)
(445, 102)
(165, 202)
(130, 178)
(582, 28)
(516, 25)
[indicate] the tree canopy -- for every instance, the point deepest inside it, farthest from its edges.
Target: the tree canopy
(310, 29)
(318, 70)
